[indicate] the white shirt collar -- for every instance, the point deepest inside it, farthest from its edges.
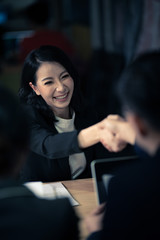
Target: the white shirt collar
(65, 125)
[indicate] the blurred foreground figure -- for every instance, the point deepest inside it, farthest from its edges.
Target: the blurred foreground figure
(22, 215)
(132, 208)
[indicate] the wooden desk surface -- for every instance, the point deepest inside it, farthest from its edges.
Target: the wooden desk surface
(83, 191)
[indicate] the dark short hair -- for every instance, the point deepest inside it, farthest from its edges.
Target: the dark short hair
(139, 87)
(14, 134)
(31, 65)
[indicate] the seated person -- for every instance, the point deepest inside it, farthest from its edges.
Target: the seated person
(64, 130)
(132, 209)
(22, 215)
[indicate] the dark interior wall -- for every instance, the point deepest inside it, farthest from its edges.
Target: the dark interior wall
(107, 35)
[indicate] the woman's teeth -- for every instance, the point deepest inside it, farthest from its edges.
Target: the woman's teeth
(61, 97)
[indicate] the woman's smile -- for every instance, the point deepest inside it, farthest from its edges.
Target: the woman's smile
(61, 98)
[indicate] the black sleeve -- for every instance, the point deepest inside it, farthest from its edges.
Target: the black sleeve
(48, 142)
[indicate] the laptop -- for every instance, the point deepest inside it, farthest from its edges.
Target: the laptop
(103, 170)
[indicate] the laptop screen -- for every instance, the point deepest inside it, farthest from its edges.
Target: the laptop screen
(103, 170)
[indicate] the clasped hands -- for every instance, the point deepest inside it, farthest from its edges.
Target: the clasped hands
(116, 133)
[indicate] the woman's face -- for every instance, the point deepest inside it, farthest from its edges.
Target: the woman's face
(55, 86)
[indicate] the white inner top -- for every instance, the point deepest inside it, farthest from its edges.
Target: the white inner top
(77, 161)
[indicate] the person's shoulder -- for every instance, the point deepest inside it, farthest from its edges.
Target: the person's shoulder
(132, 178)
(65, 218)
(129, 172)
(33, 114)
(61, 209)
(51, 215)
(29, 109)
(60, 206)
(59, 203)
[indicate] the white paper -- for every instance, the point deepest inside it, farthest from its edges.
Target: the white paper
(50, 191)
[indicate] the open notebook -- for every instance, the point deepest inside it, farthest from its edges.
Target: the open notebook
(50, 191)
(103, 170)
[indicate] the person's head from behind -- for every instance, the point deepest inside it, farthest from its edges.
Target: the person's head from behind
(139, 92)
(49, 78)
(14, 134)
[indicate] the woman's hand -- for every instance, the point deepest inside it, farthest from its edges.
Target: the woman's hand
(113, 132)
(120, 133)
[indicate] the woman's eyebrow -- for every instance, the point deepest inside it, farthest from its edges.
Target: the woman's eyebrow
(51, 78)
(47, 78)
(65, 71)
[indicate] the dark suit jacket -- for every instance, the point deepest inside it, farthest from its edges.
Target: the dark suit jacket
(23, 216)
(48, 159)
(133, 204)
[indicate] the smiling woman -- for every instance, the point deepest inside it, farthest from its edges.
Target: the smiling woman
(64, 131)
(55, 86)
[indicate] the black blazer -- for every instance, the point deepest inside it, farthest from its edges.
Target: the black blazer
(133, 205)
(48, 159)
(23, 216)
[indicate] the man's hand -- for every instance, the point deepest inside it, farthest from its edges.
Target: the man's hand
(116, 133)
(94, 220)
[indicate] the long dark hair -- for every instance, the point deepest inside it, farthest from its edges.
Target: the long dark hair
(32, 63)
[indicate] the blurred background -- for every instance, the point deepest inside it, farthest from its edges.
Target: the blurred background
(100, 36)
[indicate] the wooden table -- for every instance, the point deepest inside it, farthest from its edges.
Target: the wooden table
(83, 192)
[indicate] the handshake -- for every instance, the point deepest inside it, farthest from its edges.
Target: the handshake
(113, 132)
(116, 133)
